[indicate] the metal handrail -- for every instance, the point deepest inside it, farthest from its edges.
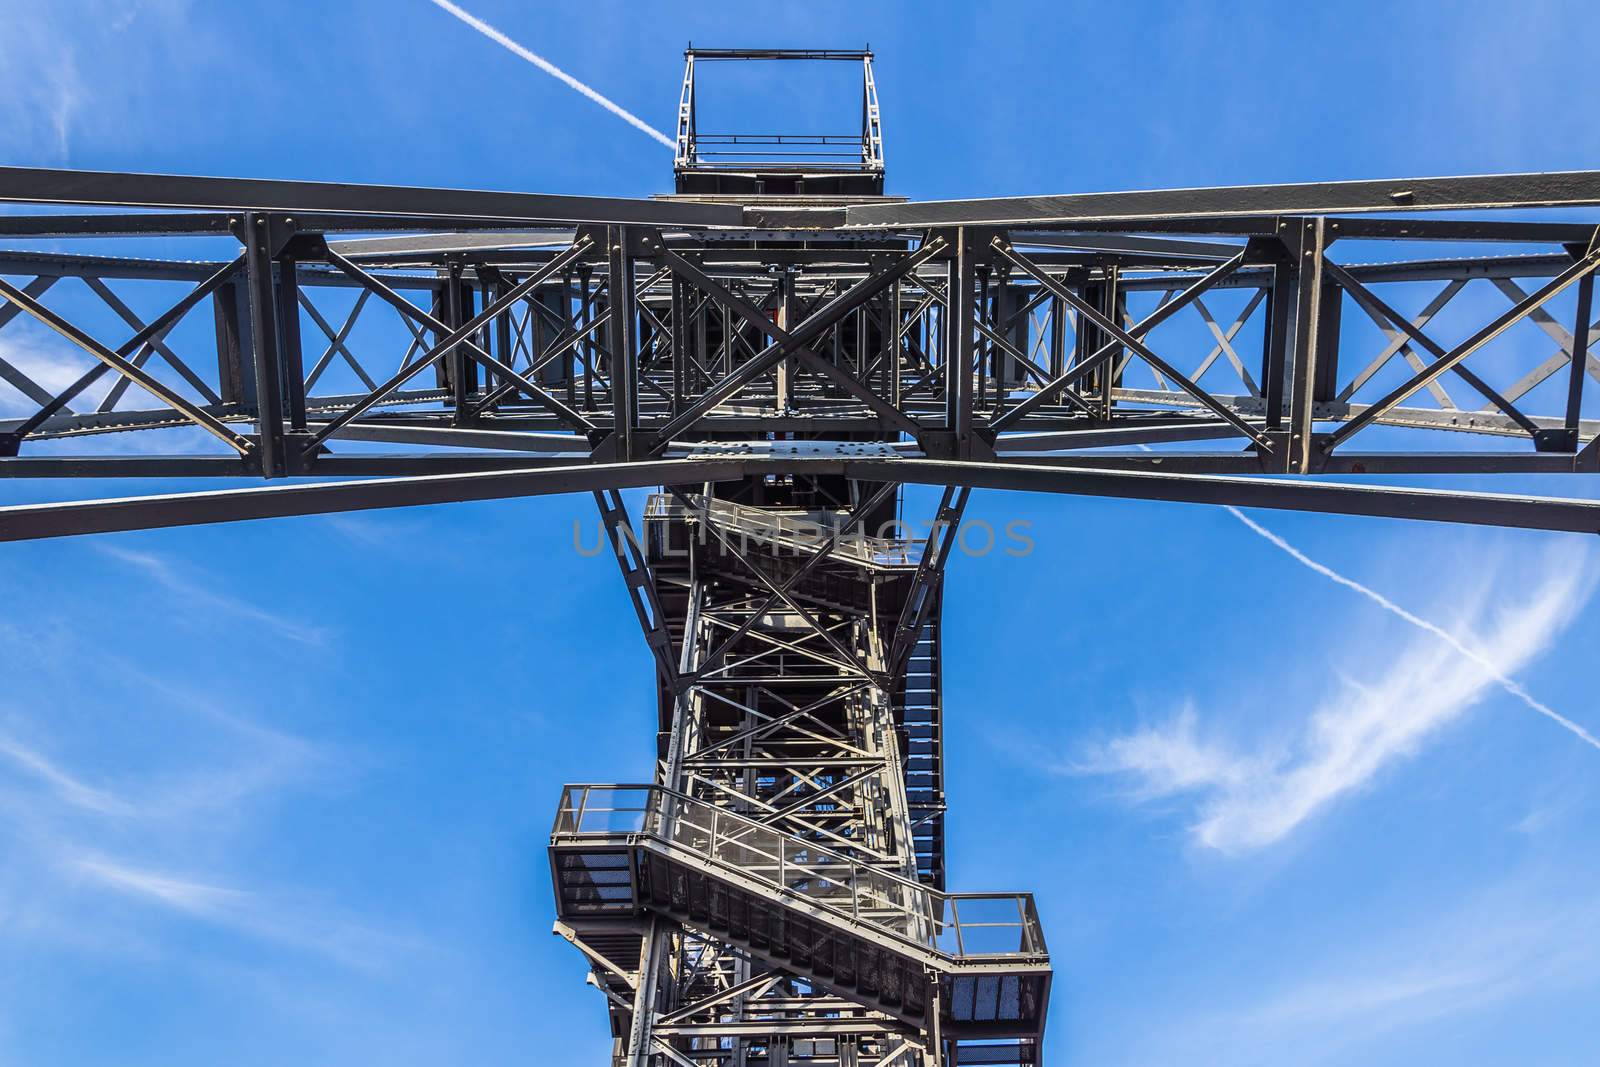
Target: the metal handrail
(924, 908)
(788, 528)
(779, 138)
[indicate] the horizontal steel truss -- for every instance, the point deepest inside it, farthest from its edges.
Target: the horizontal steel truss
(625, 343)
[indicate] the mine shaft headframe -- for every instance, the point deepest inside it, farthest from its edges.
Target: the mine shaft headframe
(767, 163)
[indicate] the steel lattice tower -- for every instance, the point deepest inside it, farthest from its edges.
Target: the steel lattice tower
(776, 895)
(778, 347)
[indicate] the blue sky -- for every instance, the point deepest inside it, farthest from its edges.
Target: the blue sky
(279, 791)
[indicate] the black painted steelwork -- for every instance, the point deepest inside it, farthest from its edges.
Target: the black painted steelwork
(781, 347)
(1320, 363)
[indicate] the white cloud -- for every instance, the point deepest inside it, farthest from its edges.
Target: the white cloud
(60, 66)
(1173, 759)
(290, 924)
(196, 595)
(194, 898)
(1245, 800)
(183, 775)
(1510, 685)
(41, 90)
(67, 787)
(63, 836)
(1534, 934)
(49, 364)
(237, 758)
(53, 363)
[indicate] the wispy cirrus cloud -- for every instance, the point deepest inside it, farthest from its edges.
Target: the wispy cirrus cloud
(64, 836)
(1243, 798)
(193, 898)
(1530, 935)
(69, 835)
(67, 787)
(59, 71)
(130, 799)
(42, 90)
(197, 595)
(36, 783)
(50, 364)
(262, 916)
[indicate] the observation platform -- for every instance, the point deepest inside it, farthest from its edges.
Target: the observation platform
(965, 965)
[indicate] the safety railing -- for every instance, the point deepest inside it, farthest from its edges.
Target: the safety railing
(956, 925)
(794, 532)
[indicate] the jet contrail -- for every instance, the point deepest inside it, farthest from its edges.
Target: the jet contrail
(1510, 685)
(554, 71)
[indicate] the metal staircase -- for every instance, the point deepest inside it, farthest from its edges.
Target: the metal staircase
(965, 966)
(776, 898)
(918, 711)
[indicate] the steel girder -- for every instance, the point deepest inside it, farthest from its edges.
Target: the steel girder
(1062, 344)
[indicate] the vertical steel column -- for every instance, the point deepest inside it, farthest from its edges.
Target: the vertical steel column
(1577, 371)
(958, 349)
(620, 329)
(1325, 378)
(450, 315)
(680, 341)
(586, 310)
(230, 306)
(1280, 318)
(1058, 344)
(725, 364)
(502, 331)
(569, 359)
(1113, 305)
(934, 1036)
(1088, 339)
(889, 340)
(789, 366)
(463, 369)
(264, 346)
(863, 324)
(1004, 305)
(1307, 248)
(701, 316)
(294, 378)
(640, 1054)
(985, 309)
